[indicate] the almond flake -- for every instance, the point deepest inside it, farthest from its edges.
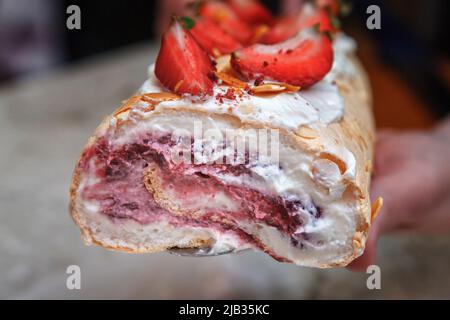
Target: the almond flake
(307, 133)
(231, 81)
(340, 163)
(151, 98)
(290, 87)
(274, 88)
(127, 105)
(157, 97)
(376, 206)
(268, 88)
(122, 110)
(223, 63)
(358, 240)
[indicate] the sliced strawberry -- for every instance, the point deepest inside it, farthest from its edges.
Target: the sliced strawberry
(182, 65)
(224, 16)
(284, 28)
(301, 61)
(333, 5)
(289, 26)
(212, 38)
(319, 17)
(251, 11)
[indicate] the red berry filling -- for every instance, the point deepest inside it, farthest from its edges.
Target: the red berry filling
(120, 191)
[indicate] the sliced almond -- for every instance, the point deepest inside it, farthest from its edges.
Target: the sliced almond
(290, 87)
(376, 206)
(231, 81)
(274, 88)
(358, 240)
(223, 63)
(151, 98)
(121, 110)
(307, 133)
(156, 97)
(340, 163)
(268, 88)
(127, 105)
(287, 86)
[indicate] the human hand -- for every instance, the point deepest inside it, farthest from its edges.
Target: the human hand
(412, 175)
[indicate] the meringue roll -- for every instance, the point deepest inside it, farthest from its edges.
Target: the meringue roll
(254, 166)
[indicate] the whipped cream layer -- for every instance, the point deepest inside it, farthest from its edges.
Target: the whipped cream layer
(297, 177)
(320, 103)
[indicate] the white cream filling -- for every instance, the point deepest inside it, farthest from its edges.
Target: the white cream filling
(293, 177)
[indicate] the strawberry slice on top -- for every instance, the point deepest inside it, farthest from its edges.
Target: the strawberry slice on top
(302, 60)
(288, 26)
(284, 28)
(212, 38)
(251, 11)
(222, 14)
(182, 65)
(333, 5)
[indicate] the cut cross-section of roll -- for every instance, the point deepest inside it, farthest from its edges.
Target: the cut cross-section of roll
(283, 172)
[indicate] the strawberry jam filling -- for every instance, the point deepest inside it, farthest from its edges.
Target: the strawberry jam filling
(116, 185)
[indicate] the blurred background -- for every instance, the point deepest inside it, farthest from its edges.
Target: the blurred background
(57, 84)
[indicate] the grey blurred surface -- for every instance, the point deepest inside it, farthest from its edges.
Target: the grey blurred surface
(44, 123)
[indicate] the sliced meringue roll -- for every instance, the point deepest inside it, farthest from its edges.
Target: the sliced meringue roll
(277, 170)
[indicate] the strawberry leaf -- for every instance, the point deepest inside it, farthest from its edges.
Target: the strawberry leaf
(335, 22)
(187, 22)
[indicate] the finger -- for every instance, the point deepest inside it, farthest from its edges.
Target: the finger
(383, 152)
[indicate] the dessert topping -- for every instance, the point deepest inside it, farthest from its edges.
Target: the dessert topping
(301, 61)
(182, 65)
